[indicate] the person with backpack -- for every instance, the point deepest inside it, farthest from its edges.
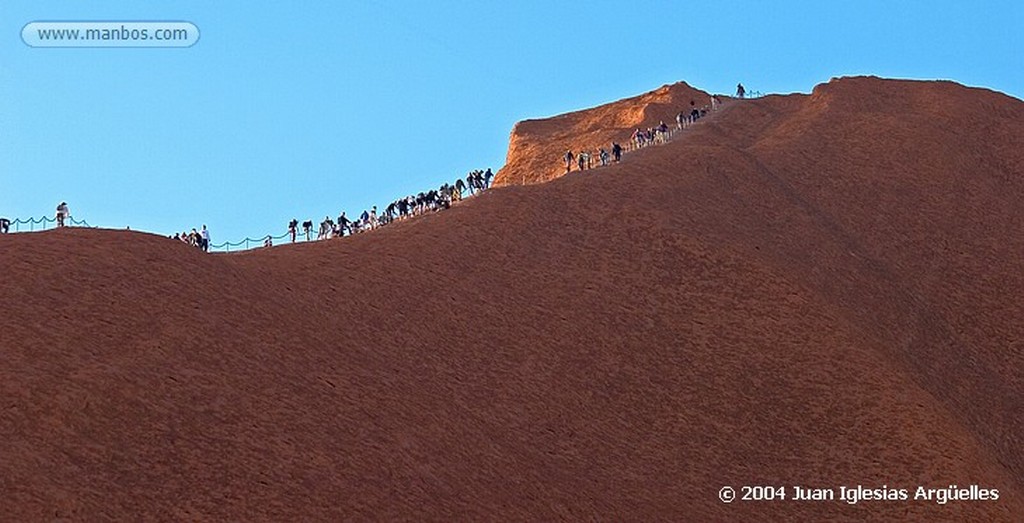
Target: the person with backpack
(307, 227)
(293, 229)
(568, 160)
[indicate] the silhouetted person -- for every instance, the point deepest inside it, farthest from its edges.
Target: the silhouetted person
(568, 160)
(293, 228)
(344, 224)
(740, 91)
(616, 151)
(5, 225)
(307, 227)
(488, 176)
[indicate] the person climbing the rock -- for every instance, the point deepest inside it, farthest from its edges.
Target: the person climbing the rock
(604, 156)
(5, 225)
(740, 91)
(63, 213)
(581, 159)
(638, 137)
(616, 151)
(322, 233)
(204, 238)
(568, 160)
(307, 227)
(293, 229)
(488, 176)
(344, 224)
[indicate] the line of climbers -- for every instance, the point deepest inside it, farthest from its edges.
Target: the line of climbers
(443, 197)
(586, 159)
(400, 209)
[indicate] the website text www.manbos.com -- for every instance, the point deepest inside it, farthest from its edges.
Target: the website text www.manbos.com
(110, 34)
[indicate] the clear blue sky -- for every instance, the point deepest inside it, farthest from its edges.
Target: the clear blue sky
(303, 109)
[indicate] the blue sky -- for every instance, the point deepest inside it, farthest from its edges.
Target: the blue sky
(304, 109)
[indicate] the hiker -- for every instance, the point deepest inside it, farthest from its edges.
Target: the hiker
(344, 224)
(63, 213)
(604, 156)
(568, 160)
(488, 176)
(581, 159)
(204, 238)
(680, 118)
(714, 102)
(324, 228)
(307, 227)
(740, 91)
(293, 228)
(616, 151)
(5, 225)
(268, 242)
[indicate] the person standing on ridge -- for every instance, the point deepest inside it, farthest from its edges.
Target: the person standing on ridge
(344, 224)
(568, 160)
(63, 213)
(5, 225)
(740, 91)
(307, 227)
(293, 228)
(205, 238)
(488, 176)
